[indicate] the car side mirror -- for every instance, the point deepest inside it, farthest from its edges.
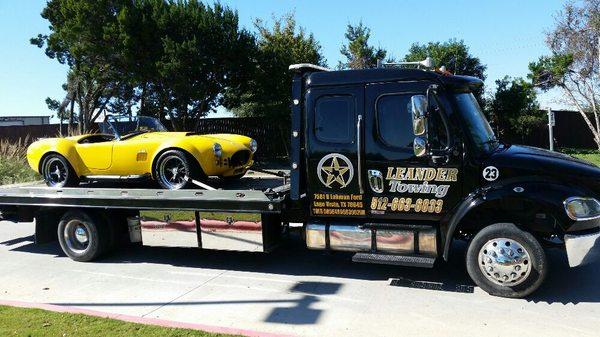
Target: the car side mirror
(419, 114)
(420, 146)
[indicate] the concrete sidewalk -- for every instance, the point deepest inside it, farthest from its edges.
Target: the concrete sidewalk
(293, 291)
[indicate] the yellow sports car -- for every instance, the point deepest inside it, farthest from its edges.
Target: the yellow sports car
(137, 147)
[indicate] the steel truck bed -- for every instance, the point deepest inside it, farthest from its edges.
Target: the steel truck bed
(243, 215)
(256, 193)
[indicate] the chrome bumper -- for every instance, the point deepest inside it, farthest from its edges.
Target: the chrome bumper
(582, 249)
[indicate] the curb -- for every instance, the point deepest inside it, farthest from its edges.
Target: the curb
(140, 320)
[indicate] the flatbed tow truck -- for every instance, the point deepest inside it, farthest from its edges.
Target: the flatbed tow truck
(390, 163)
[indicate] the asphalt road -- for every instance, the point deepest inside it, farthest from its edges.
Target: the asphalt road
(294, 291)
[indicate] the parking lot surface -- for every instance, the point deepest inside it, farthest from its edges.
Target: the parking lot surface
(294, 291)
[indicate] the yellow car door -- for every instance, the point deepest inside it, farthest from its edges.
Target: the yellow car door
(97, 157)
(133, 156)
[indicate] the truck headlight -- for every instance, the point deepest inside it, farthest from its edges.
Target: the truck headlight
(253, 146)
(217, 149)
(579, 208)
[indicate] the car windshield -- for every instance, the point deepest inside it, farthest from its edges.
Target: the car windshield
(479, 129)
(124, 126)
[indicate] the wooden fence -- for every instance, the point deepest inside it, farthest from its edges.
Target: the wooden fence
(273, 137)
(570, 131)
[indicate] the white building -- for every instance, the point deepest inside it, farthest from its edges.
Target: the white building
(24, 120)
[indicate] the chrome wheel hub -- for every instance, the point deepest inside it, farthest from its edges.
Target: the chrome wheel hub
(77, 236)
(81, 235)
(172, 172)
(505, 262)
(55, 172)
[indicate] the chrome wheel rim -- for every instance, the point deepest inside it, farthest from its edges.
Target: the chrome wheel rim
(172, 172)
(77, 236)
(504, 262)
(55, 172)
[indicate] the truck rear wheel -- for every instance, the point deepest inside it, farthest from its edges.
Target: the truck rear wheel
(506, 261)
(83, 237)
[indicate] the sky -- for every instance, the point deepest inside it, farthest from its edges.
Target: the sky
(506, 35)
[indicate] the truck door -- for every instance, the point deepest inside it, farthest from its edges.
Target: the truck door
(401, 185)
(334, 118)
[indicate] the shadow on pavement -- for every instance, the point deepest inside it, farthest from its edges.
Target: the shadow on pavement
(563, 284)
(297, 310)
(28, 238)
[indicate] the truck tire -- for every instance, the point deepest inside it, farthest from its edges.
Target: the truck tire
(506, 261)
(57, 172)
(82, 236)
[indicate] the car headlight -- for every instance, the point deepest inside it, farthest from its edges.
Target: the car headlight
(579, 208)
(253, 145)
(217, 149)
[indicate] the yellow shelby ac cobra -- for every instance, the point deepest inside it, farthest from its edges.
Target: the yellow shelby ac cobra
(137, 147)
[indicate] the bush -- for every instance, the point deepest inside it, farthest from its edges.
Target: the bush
(13, 163)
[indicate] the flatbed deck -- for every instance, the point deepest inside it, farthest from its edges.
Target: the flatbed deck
(256, 192)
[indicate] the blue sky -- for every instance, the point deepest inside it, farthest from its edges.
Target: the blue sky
(505, 35)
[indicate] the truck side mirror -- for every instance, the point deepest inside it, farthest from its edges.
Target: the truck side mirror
(419, 114)
(420, 146)
(419, 117)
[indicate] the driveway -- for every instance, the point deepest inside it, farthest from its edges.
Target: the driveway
(294, 291)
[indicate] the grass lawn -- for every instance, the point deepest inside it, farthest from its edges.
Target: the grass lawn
(592, 156)
(36, 322)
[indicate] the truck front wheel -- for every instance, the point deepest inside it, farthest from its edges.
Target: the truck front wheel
(83, 237)
(506, 261)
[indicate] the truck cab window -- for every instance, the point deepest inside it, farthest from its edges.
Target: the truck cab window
(334, 119)
(394, 120)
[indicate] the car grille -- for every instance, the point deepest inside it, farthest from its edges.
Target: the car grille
(239, 158)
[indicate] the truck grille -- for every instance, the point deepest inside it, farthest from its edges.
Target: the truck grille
(239, 158)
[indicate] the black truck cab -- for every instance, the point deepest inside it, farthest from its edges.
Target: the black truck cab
(393, 164)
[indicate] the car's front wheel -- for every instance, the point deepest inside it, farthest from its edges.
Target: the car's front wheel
(506, 261)
(174, 169)
(57, 172)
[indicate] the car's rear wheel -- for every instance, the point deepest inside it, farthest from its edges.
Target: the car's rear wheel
(57, 172)
(174, 169)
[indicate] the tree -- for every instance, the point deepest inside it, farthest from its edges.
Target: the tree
(204, 53)
(83, 36)
(171, 57)
(267, 92)
(573, 67)
(452, 54)
(514, 107)
(358, 53)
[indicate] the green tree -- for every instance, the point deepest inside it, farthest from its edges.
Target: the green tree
(358, 52)
(171, 57)
(83, 36)
(514, 107)
(454, 55)
(204, 53)
(573, 67)
(267, 92)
